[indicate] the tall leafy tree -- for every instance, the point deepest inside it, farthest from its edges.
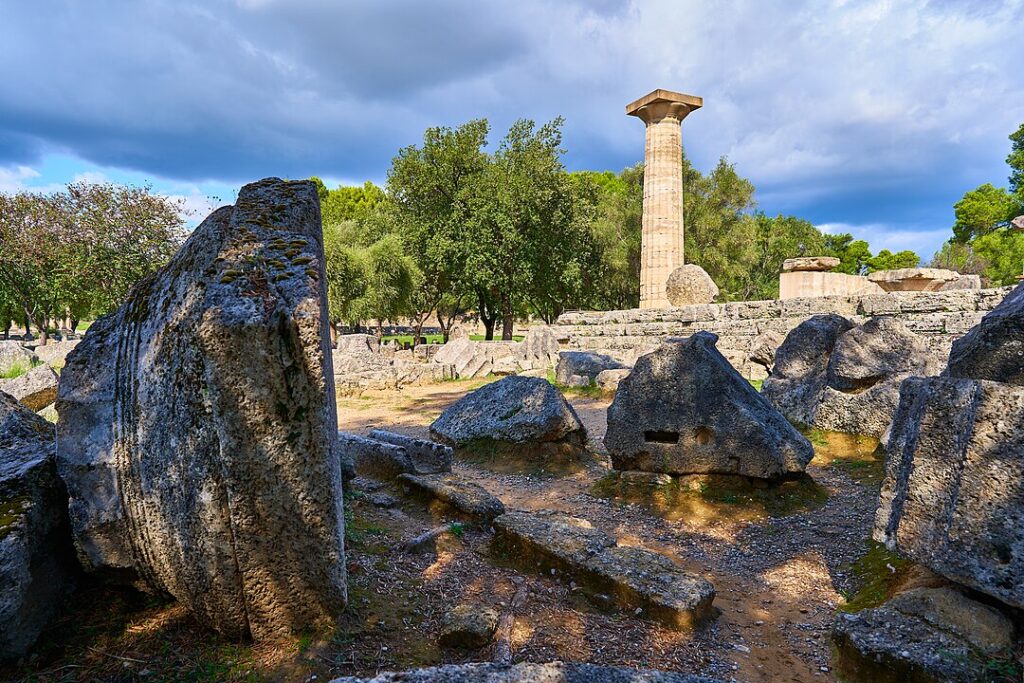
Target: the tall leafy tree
(528, 226)
(775, 240)
(886, 260)
(983, 210)
(1003, 251)
(853, 254)
(431, 187)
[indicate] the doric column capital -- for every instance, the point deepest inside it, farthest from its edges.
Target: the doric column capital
(661, 104)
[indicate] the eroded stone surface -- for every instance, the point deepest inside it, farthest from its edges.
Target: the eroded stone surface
(583, 364)
(427, 457)
(373, 458)
(13, 354)
(633, 578)
(913, 279)
(515, 417)
(685, 410)
(468, 626)
(840, 377)
(467, 497)
(37, 563)
(953, 494)
(810, 264)
(36, 389)
(994, 349)
(690, 284)
(554, 672)
(608, 380)
(926, 634)
(197, 431)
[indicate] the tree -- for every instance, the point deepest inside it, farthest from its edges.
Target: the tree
(886, 260)
(1003, 251)
(1016, 163)
(347, 203)
(345, 268)
(78, 252)
(528, 227)
(391, 278)
(775, 240)
(853, 254)
(431, 188)
(615, 232)
(981, 211)
(719, 231)
(959, 257)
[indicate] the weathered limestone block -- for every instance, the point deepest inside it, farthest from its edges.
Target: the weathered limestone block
(373, 458)
(36, 389)
(810, 264)
(464, 496)
(197, 432)
(539, 348)
(804, 284)
(836, 376)
(37, 559)
(690, 285)
(458, 353)
(913, 279)
(13, 354)
(953, 494)
(427, 457)
(927, 634)
(608, 380)
(468, 626)
(629, 577)
(685, 410)
(54, 353)
(971, 282)
(553, 672)
(993, 350)
(357, 344)
(584, 364)
(516, 418)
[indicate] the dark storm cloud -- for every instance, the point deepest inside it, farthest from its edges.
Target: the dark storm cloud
(841, 110)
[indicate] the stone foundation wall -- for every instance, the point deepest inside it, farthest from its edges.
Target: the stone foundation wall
(744, 327)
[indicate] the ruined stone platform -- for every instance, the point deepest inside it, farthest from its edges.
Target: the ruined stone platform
(745, 327)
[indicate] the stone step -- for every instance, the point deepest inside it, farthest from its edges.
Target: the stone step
(628, 577)
(468, 498)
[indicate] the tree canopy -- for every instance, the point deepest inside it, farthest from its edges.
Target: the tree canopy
(76, 253)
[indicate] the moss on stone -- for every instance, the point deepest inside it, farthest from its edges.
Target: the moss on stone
(879, 572)
(11, 512)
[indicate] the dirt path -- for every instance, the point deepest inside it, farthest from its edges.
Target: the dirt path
(778, 580)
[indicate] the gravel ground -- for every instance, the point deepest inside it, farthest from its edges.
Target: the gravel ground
(778, 580)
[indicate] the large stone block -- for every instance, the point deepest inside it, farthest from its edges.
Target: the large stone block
(37, 559)
(685, 410)
(834, 375)
(36, 389)
(953, 495)
(13, 354)
(993, 350)
(197, 431)
(517, 418)
(583, 364)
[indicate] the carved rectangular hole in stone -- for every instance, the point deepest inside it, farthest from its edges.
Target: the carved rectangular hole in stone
(658, 436)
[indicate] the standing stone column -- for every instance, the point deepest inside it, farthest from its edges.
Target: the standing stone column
(662, 240)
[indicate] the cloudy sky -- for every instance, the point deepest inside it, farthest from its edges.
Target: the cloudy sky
(864, 116)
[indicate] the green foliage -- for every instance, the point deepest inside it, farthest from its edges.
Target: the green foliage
(1016, 163)
(959, 257)
(886, 260)
(76, 253)
(775, 240)
(983, 210)
(1003, 251)
(853, 255)
(719, 231)
(346, 203)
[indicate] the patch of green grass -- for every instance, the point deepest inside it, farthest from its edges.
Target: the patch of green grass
(18, 369)
(457, 529)
(589, 391)
(756, 383)
(859, 457)
(879, 572)
(407, 338)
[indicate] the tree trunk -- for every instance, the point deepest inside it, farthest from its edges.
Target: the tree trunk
(334, 333)
(7, 329)
(506, 318)
(488, 318)
(380, 329)
(488, 327)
